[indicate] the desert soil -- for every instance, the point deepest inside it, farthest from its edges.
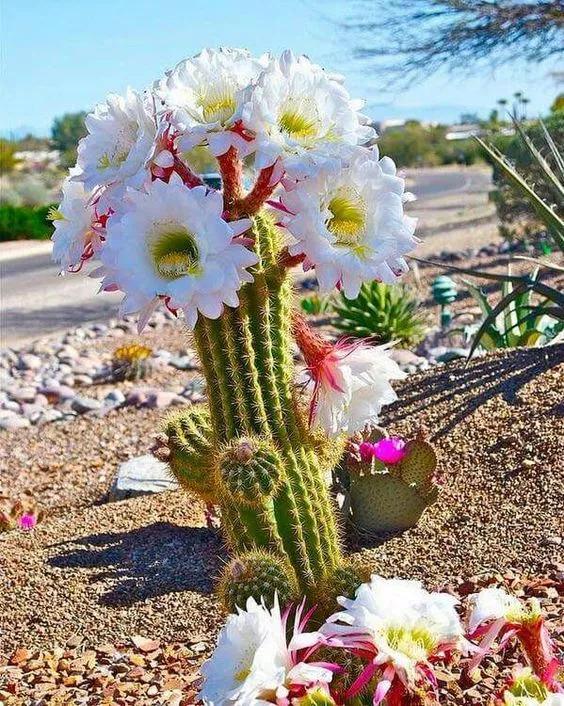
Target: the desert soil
(114, 600)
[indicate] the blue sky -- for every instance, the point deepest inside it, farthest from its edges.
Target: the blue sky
(65, 55)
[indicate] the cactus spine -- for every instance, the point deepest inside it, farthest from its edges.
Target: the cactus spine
(265, 467)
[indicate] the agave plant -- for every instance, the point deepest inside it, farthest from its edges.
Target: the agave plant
(383, 312)
(522, 321)
(315, 304)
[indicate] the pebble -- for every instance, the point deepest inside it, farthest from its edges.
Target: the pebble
(85, 404)
(13, 423)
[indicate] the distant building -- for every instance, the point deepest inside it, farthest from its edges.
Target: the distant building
(463, 131)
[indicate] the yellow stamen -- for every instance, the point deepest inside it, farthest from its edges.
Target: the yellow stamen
(416, 643)
(242, 674)
(53, 214)
(300, 119)
(348, 220)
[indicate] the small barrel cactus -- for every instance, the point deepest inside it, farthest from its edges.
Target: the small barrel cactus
(391, 495)
(131, 362)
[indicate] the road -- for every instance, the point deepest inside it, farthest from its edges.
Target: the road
(35, 302)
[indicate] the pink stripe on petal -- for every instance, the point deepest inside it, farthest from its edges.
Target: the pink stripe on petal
(361, 681)
(484, 647)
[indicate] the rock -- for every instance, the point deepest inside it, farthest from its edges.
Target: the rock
(137, 396)
(50, 415)
(182, 362)
(28, 361)
(162, 399)
(141, 476)
(14, 422)
(11, 406)
(85, 404)
(83, 380)
(115, 397)
(32, 411)
(407, 360)
(22, 394)
(452, 354)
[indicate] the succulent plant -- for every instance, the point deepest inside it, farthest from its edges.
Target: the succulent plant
(381, 311)
(251, 452)
(131, 362)
(392, 497)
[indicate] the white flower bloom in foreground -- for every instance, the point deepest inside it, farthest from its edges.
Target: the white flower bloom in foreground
(298, 111)
(494, 604)
(253, 664)
(171, 242)
(72, 221)
(119, 143)
(349, 222)
(402, 625)
(204, 94)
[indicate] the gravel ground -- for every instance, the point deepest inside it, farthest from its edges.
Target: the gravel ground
(95, 574)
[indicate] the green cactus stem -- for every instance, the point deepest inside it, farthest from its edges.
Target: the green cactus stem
(254, 456)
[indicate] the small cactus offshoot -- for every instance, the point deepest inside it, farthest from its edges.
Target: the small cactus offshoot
(131, 362)
(391, 496)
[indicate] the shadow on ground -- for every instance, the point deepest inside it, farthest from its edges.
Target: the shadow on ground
(468, 388)
(146, 562)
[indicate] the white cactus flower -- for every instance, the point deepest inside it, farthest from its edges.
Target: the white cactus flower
(204, 96)
(493, 604)
(300, 113)
(349, 222)
(354, 388)
(253, 665)
(403, 628)
(72, 220)
(119, 143)
(171, 242)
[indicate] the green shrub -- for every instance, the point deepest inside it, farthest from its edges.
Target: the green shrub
(384, 312)
(21, 222)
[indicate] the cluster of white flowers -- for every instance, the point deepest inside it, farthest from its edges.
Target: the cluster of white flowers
(163, 236)
(398, 632)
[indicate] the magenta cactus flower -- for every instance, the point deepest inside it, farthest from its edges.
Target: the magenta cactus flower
(389, 451)
(27, 521)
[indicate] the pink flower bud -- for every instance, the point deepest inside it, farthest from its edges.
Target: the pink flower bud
(366, 450)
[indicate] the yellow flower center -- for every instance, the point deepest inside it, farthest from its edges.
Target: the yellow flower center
(348, 219)
(525, 689)
(299, 119)
(241, 675)
(217, 103)
(415, 643)
(175, 254)
(120, 152)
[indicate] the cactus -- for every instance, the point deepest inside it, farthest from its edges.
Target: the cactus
(131, 362)
(257, 573)
(252, 453)
(392, 498)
